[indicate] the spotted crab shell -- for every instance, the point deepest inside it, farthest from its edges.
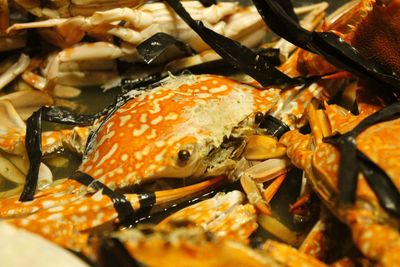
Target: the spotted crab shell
(142, 139)
(380, 142)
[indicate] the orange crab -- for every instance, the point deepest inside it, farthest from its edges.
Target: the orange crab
(371, 26)
(374, 223)
(213, 232)
(189, 126)
(195, 247)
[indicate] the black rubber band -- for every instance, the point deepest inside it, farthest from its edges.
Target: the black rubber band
(33, 141)
(235, 53)
(124, 209)
(381, 184)
(159, 44)
(352, 161)
(348, 166)
(147, 201)
(278, 15)
(274, 126)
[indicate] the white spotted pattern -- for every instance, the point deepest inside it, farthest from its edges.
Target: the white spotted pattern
(141, 130)
(109, 154)
(124, 120)
(157, 120)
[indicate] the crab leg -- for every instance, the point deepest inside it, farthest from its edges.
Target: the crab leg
(179, 246)
(315, 243)
(72, 221)
(259, 173)
(271, 190)
(12, 43)
(15, 70)
(251, 181)
(9, 171)
(141, 23)
(14, 168)
(25, 108)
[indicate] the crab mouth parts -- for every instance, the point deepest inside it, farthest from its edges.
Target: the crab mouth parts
(221, 160)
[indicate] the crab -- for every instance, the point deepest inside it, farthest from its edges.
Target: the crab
(119, 32)
(373, 217)
(327, 45)
(228, 222)
(69, 8)
(342, 55)
(225, 215)
(91, 64)
(112, 168)
(140, 140)
(195, 247)
(357, 23)
(190, 126)
(188, 143)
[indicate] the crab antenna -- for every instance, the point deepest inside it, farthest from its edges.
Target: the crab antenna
(326, 44)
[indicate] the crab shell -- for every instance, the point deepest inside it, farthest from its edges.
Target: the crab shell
(374, 231)
(189, 247)
(377, 37)
(141, 141)
(369, 26)
(380, 143)
(225, 215)
(195, 247)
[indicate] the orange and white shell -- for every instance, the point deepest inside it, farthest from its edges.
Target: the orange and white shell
(142, 139)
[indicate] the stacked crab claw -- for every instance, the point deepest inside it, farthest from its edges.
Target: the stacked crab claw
(324, 107)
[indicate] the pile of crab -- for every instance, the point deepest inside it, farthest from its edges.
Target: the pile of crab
(186, 166)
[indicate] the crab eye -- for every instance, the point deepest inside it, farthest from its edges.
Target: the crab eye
(183, 155)
(258, 117)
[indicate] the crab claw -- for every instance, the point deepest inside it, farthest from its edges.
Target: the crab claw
(326, 44)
